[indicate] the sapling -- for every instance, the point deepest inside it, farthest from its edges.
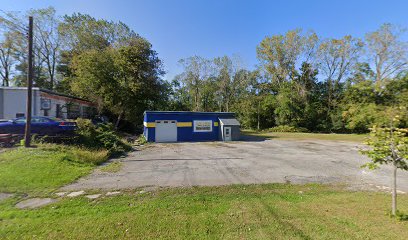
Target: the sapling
(388, 145)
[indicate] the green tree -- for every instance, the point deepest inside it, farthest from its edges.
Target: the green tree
(389, 145)
(125, 81)
(337, 57)
(197, 70)
(6, 59)
(279, 54)
(80, 33)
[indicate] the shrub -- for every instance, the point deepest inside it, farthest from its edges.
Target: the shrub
(287, 128)
(101, 136)
(141, 139)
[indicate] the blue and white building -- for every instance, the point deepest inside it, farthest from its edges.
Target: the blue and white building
(169, 126)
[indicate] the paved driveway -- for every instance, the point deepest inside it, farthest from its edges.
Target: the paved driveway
(218, 163)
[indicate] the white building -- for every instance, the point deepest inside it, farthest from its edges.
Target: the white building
(45, 103)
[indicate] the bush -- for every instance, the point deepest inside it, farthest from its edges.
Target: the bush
(101, 136)
(287, 128)
(141, 139)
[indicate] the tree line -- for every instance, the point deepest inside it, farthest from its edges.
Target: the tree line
(103, 61)
(302, 80)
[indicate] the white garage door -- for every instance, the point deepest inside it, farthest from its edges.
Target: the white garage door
(166, 131)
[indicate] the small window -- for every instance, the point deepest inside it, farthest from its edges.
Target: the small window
(166, 121)
(173, 121)
(19, 115)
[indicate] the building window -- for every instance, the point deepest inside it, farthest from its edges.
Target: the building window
(19, 115)
(203, 126)
(58, 112)
(73, 111)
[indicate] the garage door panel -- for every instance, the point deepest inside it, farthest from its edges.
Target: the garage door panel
(166, 131)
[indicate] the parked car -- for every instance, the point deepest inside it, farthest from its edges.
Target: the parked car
(43, 126)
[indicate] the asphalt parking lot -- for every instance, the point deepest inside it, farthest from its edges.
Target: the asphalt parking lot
(243, 162)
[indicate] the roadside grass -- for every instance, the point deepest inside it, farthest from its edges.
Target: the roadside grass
(307, 136)
(45, 168)
(112, 167)
(270, 211)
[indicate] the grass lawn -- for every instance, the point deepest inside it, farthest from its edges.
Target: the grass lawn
(308, 136)
(41, 170)
(269, 211)
(272, 211)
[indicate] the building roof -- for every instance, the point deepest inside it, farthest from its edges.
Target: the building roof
(229, 121)
(63, 95)
(189, 113)
(46, 91)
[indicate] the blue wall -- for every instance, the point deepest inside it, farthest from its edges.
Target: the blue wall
(186, 134)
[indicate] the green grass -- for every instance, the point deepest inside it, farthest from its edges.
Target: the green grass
(112, 167)
(44, 169)
(307, 136)
(272, 211)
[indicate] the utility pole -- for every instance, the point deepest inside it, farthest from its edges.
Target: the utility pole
(27, 135)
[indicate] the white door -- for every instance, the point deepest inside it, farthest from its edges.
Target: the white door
(227, 133)
(166, 131)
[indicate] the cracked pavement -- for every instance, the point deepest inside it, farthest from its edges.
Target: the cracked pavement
(243, 162)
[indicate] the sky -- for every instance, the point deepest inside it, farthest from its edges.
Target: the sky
(182, 28)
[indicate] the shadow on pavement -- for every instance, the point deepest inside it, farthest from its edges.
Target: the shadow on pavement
(254, 138)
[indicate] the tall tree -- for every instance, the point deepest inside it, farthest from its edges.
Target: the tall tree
(337, 57)
(124, 81)
(388, 52)
(82, 32)
(6, 59)
(230, 81)
(47, 40)
(281, 54)
(196, 71)
(45, 47)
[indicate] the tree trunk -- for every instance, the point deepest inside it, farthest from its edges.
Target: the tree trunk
(394, 190)
(394, 174)
(258, 116)
(118, 120)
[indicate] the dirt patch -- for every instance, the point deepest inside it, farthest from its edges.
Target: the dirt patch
(4, 196)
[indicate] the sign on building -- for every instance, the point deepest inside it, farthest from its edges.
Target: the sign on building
(203, 126)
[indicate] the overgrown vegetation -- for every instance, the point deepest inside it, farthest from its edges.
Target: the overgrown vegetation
(286, 128)
(47, 167)
(272, 211)
(101, 136)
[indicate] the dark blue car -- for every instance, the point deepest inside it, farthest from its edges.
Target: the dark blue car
(44, 126)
